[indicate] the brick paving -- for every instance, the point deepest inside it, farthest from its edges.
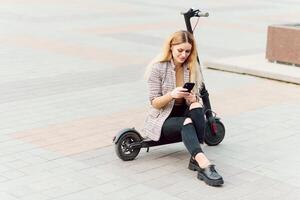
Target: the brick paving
(72, 76)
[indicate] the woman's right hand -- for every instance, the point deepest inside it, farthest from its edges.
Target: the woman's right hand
(179, 92)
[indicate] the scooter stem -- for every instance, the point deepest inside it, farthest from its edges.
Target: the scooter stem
(203, 92)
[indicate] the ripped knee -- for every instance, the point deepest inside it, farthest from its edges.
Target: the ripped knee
(187, 121)
(195, 105)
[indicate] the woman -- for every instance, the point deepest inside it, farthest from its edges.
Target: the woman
(176, 114)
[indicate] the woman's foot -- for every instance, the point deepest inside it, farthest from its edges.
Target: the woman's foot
(198, 163)
(193, 165)
(206, 171)
(202, 160)
(210, 176)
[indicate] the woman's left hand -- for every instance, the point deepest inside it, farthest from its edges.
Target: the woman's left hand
(191, 98)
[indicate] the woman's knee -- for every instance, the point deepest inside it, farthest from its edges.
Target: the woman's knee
(195, 105)
(187, 121)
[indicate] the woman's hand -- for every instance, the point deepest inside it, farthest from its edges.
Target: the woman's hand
(191, 98)
(179, 92)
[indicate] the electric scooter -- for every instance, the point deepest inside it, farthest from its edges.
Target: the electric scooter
(128, 141)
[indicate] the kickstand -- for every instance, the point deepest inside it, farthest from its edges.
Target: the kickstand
(147, 149)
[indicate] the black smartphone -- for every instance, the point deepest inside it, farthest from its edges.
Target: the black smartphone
(189, 86)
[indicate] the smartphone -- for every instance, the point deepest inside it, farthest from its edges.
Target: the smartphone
(189, 86)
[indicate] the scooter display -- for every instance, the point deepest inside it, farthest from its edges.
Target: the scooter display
(128, 141)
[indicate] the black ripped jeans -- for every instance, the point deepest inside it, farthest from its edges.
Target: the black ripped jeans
(192, 134)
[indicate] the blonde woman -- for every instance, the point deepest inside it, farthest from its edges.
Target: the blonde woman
(176, 114)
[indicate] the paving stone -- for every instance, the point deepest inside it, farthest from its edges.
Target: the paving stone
(7, 196)
(35, 196)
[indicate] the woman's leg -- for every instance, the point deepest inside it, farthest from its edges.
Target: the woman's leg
(190, 140)
(195, 112)
(171, 129)
(183, 125)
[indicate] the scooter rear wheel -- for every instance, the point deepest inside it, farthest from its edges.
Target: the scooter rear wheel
(213, 139)
(123, 148)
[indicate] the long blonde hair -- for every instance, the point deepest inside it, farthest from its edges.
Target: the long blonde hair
(166, 55)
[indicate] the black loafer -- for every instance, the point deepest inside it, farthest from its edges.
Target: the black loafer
(193, 165)
(210, 176)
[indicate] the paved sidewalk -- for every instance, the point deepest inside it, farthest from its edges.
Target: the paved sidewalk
(257, 65)
(71, 76)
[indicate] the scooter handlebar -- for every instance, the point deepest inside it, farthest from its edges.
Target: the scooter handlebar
(203, 14)
(195, 13)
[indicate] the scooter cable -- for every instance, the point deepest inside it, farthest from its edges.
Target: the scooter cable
(196, 24)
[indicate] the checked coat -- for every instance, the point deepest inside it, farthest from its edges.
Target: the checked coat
(161, 81)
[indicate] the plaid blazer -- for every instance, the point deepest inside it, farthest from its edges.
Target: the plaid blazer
(161, 81)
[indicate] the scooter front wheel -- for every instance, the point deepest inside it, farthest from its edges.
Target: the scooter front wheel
(213, 139)
(124, 147)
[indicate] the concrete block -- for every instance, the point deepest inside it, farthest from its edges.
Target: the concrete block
(283, 43)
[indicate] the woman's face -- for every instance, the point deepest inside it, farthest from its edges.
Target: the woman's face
(181, 52)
